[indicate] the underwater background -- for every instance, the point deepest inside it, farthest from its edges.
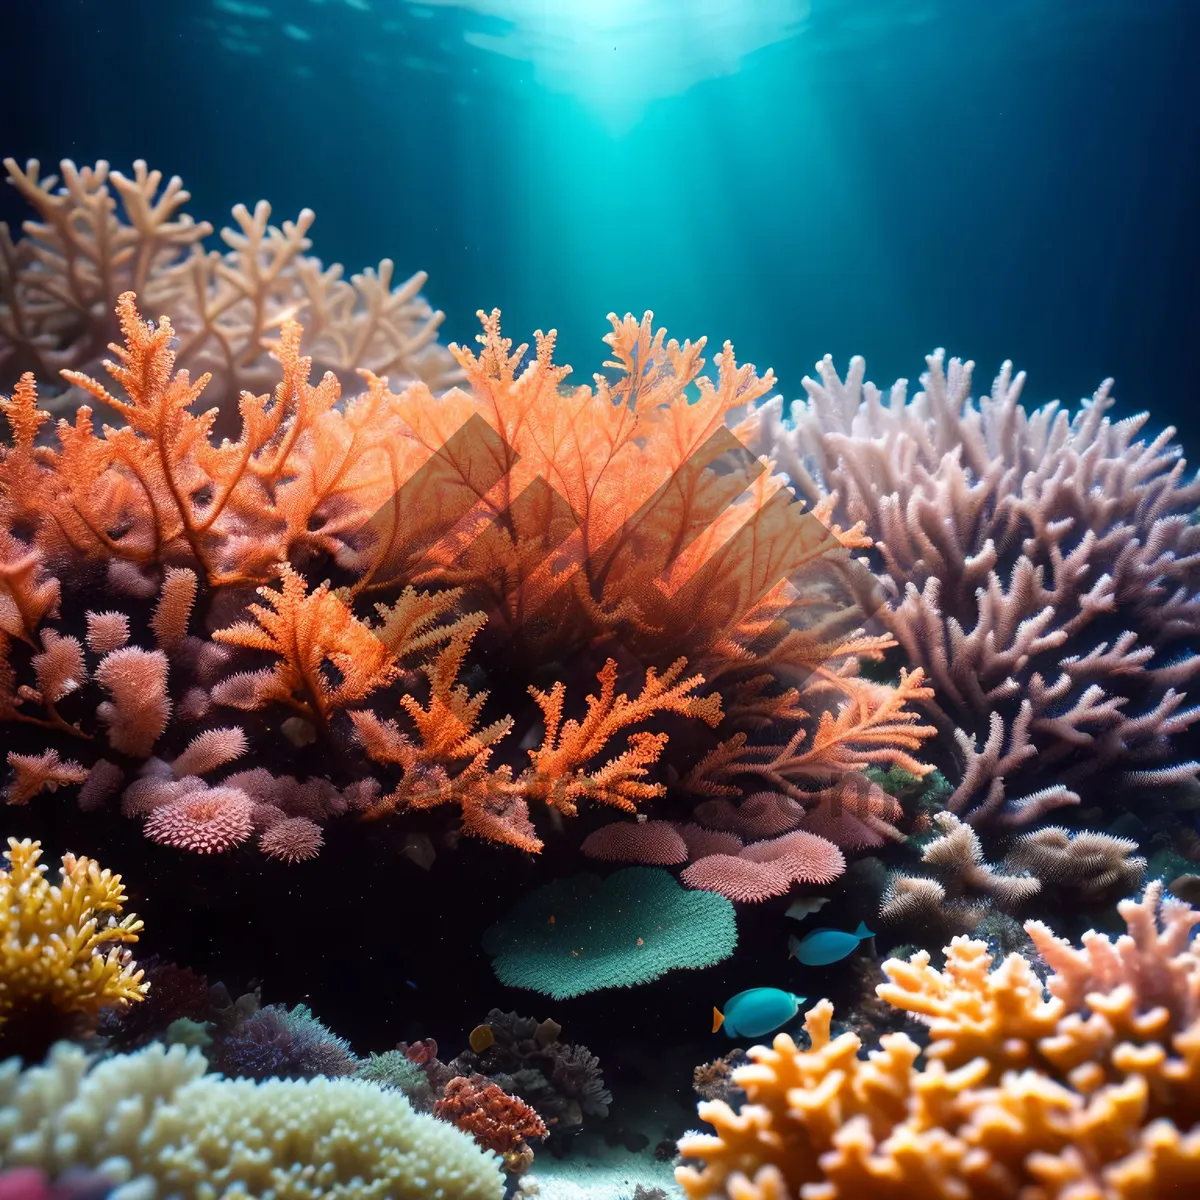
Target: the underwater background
(1009, 181)
(1014, 181)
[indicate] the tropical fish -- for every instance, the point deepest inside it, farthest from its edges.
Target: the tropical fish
(805, 906)
(820, 947)
(756, 1012)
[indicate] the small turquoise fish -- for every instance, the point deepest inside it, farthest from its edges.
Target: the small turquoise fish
(756, 1012)
(824, 946)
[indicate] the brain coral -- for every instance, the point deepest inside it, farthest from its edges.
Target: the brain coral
(156, 1125)
(583, 933)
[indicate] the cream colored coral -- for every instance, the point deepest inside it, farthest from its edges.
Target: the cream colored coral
(158, 1126)
(1090, 1093)
(63, 945)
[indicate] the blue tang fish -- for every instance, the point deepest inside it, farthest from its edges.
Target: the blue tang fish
(824, 946)
(756, 1012)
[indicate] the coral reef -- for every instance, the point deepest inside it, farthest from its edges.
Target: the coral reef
(435, 510)
(1041, 567)
(561, 1080)
(63, 947)
(189, 1134)
(101, 233)
(278, 1042)
(1089, 1092)
(581, 933)
(497, 1121)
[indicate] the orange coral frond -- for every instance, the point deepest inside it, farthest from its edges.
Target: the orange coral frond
(310, 632)
(557, 773)
(408, 626)
(447, 724)
(23, 415)
(28, 593)
(872, 726)
(41, 772)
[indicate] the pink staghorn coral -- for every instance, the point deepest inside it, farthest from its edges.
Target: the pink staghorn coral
(1042, 567)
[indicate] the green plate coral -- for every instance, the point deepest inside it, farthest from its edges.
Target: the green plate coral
(584, 933)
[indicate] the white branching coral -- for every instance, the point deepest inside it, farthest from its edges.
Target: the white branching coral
(100, 233)
(1042, 567)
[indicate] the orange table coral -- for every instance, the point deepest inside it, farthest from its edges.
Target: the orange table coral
(1091, 1092)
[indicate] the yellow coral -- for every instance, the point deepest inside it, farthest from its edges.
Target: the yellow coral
(1090, 1094)
(62, 947)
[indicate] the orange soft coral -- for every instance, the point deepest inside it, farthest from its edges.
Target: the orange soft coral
(621, 530)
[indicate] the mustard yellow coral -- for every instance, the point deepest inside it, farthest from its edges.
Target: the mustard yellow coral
(62, 947)
(1087, 1089)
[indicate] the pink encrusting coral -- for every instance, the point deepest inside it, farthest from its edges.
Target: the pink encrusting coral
(1042, 567)
(719, 860)
(652, 843)
(803, 857)
(738, 878)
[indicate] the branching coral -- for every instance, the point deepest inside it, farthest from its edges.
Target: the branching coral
(1041, 567)
(1078, 864)
(964, 883)
(1091, 1092)
(425, 506)
(101, 233)
(63, 947)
